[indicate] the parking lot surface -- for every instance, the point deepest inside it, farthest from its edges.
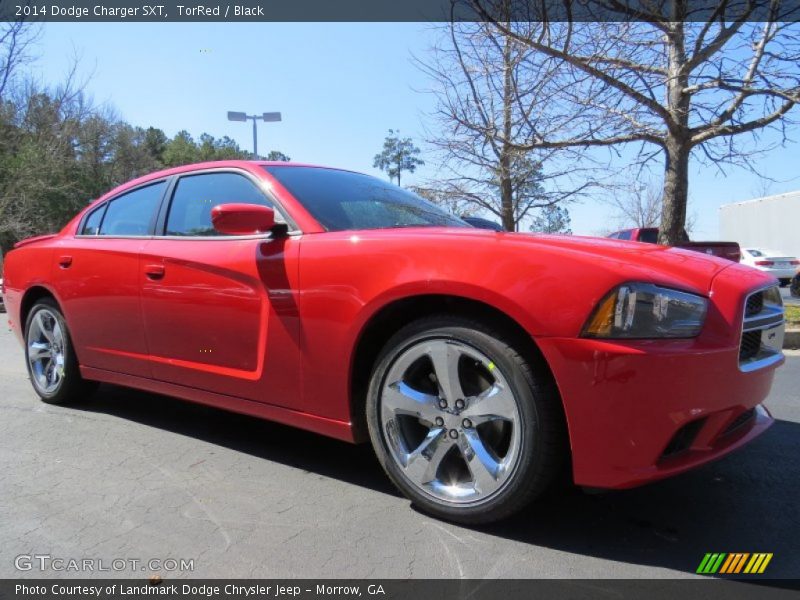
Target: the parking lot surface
(129, 475)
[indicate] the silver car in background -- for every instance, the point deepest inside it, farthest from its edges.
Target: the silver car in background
(777, 264)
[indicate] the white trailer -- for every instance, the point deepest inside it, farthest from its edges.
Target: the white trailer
(770, 222)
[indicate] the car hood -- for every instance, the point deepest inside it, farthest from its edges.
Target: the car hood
(632, 261)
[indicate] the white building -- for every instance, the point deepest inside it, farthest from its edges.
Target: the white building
(771, 222)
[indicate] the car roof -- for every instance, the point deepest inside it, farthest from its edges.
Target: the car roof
(216, 164)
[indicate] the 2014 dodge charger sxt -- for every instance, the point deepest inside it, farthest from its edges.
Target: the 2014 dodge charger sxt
(336, 302)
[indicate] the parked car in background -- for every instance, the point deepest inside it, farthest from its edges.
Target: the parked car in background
(482, 223)
(728, 250)
(777, 264)
(345, 305)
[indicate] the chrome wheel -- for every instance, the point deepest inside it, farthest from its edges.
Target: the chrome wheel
(450, 421)
(46, 351)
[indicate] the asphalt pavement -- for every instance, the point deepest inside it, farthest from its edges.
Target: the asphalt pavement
(135, 476)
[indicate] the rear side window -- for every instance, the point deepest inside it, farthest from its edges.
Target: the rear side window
(92, 224)
(132, 213)
(649, 236)
(196, 195)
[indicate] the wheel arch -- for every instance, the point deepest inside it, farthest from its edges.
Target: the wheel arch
(390, 318)
(32, 295)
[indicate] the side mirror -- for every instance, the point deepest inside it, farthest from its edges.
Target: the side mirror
(242, 219)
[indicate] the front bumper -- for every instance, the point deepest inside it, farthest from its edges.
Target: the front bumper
(642, 410)
(625, 405)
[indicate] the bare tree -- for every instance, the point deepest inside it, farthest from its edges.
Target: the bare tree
(667, 76)
(636, 203)
(488, 91)
(15, 40)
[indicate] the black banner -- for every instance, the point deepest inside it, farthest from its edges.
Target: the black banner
(393, 589)
(398, 10)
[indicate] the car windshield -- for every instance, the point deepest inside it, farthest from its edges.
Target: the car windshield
(342, 200)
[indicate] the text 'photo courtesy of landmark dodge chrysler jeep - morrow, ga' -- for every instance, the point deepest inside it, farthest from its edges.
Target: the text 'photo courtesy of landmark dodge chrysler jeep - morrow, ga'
(345, 305)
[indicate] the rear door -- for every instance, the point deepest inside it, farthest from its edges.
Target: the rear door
(97, 278)
(220, 311)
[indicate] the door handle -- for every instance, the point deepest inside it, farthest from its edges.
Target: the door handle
(65, 262)
(154, 271)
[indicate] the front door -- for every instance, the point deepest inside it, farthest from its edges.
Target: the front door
(215, 307)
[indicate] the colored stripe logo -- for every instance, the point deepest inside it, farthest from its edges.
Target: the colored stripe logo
(734, 563)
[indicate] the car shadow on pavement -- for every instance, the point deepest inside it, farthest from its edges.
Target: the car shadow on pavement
(272, 441)
(745, 502)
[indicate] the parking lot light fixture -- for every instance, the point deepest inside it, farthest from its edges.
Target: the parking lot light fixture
(267, 117)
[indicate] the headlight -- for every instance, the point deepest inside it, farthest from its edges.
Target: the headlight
(644, 310)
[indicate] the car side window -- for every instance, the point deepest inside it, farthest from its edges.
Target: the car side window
(624, 235)
(195, 196)
(92, 224)
(132, 212)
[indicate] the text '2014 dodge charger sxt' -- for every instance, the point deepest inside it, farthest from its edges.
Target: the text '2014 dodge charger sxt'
(342, 304)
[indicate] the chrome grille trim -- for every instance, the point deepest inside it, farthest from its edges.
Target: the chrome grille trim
(767, 319)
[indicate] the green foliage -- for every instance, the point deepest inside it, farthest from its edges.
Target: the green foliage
(57, 152)
(398, 155)
(277, 156)
(552, 219)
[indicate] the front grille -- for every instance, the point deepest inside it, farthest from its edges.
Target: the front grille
(742, 419)
(755, 303)
(751, 344)
(762, 330)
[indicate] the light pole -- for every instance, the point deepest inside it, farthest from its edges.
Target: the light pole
(266, 117)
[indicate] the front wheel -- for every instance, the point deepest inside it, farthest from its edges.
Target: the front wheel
(52, 365)
(463, 425)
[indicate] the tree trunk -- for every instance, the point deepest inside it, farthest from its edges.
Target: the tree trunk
(506, 188)
(507, 199)
(677, 144)
(676, 193)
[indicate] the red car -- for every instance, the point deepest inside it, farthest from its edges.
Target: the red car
(649, 235)
(339, 303)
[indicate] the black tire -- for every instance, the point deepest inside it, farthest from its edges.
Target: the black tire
(794, 286)
(542, 449)
(72, 387)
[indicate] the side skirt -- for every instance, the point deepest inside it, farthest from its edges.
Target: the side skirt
(336, 429)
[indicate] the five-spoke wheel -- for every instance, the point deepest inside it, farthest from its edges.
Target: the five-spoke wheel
(451, 421)
(52, 365)
(461, 422)
(46, 351)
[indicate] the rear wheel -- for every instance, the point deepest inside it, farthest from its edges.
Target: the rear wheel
(52, 365)
(461, 422)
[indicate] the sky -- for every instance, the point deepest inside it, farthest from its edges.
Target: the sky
(339, 86)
